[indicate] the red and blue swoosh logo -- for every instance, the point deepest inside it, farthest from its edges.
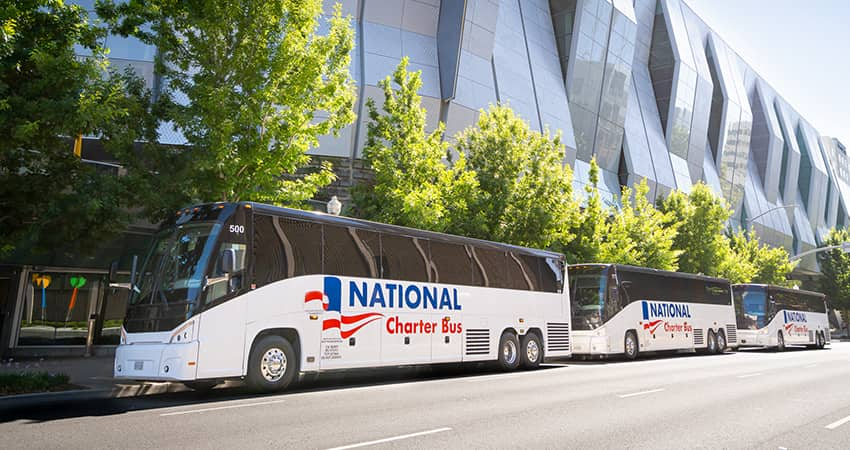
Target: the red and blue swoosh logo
(331, 298)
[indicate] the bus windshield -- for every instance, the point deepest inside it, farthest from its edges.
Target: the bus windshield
(751, 307)
(172, 277)
(587, 292)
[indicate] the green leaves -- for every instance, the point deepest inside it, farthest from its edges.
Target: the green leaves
(48, 96)
(251, 85)
(835, 266)
(412, 185)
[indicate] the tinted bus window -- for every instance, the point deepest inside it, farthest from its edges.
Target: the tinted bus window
(520, 276)
(346, 254)
(272, 252)
(751, 308)
(450, 263)
(531, 266)
(405, 258)
(551, 274)
(495, 267)
(717, 293)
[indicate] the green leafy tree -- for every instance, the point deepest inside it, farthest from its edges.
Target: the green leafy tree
(412, 186)
(48, 97)
(261, 84)
(750, 261)
(525, 195)
(590, 226)
(700, 218)
(835, 272)
(636, 234)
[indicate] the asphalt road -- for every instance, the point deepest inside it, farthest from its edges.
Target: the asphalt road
(799, 399)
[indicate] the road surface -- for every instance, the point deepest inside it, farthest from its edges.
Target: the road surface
(799, 399)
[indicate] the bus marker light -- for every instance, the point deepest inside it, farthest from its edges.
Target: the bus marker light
(191, 363)
(314, 317)
(521, 320)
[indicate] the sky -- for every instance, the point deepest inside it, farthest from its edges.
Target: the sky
(800, 47)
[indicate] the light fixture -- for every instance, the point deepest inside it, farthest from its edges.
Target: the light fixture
(334, 206)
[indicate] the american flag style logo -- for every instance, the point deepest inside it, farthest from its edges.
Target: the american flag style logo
(331, 298)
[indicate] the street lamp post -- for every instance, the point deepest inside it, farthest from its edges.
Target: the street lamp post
(750, 220)
(844, 246)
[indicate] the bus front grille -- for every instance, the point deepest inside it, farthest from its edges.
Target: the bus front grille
(731, 334)
(699, 338)
(477, 342)
(558, 337)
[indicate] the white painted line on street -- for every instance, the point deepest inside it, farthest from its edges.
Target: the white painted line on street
(837, 423)
(475, 379)
(748, 375)
(390, 439)
(635, 394)
(244, 405)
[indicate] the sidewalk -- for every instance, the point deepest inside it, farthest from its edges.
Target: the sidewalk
(93, 375)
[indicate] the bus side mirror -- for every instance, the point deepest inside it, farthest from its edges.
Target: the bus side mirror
(113, 271)
(228, 260)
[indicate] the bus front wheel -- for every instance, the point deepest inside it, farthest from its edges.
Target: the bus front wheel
(509, 358)
(630, 343)
(821, 340)
(272, 365)
(780, 341)
(532, 351)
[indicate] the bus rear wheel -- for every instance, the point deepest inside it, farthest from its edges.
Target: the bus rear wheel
(780, 341)
(721, 342)
(821, 340)
(711, 345)
(272, 365)
(532, 351)
(508, 357)
(631, 346)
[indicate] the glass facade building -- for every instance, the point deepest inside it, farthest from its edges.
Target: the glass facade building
(644, 86)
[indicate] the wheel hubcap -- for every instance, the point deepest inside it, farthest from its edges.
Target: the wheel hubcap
(630, 345)
(273, 364)
(532, 351)
(509, 352)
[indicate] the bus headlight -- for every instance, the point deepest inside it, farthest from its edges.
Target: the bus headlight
(183, 334)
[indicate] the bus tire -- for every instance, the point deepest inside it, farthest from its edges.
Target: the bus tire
(711, 344)
(721, 341)
(273, 364)
(780, 341)
(531, 353)
(509, 354)
(201, 385)
(631, 345)
(821, 340)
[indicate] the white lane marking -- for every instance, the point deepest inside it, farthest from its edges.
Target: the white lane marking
(217, 408)
(748, 375)
(390, 439)
(634, 394)
(475, 379)
(837, 423)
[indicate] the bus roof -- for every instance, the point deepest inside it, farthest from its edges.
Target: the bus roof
(626, 267)
(383, 227)
(782, 288)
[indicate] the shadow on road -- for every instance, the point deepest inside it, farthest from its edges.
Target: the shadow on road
(237, 391)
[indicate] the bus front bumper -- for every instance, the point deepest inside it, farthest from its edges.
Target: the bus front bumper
(588, 344)
(747, 338)
(160, 362)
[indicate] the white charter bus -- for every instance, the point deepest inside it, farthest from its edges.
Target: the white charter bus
(626, 310)
(262, 293)
(773, 316)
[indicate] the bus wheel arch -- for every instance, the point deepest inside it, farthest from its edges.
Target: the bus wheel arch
(274, 360)
(508, 352)
(532, 349)
(631, 344)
